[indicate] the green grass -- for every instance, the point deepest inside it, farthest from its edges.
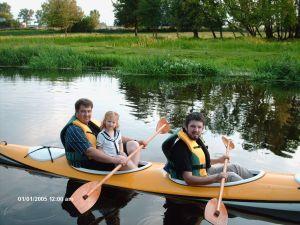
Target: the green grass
(166, 55)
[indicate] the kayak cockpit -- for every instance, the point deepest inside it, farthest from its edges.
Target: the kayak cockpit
(257, 174)
(142, 166)
(46, 153)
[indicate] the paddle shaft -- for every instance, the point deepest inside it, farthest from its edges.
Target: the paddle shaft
(223, 179)
(128, 158)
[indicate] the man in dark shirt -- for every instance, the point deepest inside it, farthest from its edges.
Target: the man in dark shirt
(79, 140)
(182, 158)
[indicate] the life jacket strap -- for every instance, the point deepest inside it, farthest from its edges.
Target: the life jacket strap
(198, 167)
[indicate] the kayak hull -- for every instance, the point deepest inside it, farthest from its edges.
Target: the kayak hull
(274, 191)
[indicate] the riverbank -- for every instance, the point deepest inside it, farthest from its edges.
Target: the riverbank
(252, 57)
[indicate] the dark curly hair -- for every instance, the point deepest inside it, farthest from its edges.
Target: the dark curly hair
(194, 116)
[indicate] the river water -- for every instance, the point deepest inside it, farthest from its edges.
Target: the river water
(261, 118)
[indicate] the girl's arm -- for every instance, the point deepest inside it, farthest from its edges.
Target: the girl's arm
(121, 149)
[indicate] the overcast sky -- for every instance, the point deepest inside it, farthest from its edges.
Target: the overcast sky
(103, 6)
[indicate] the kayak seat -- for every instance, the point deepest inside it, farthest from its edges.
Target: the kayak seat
(257, 174)
(142, 165)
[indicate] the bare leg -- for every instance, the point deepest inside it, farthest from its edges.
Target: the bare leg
(131, 146)
(130, 165)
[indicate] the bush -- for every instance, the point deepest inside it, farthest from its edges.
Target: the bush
(167, 66)
(100, 61)
(50, 58)
(282, 68)
(87, 24)
(17, 56)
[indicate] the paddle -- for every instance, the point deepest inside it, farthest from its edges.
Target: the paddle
(87, 195)
(215, 210)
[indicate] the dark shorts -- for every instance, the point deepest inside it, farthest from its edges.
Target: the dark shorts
(93, 165)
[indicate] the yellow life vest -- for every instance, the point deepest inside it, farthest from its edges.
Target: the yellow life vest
(87, 131)
(198, 156)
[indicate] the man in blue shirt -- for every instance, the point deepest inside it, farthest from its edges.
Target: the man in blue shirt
(79, 139)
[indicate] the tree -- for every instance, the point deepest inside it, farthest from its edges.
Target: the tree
(6, 17)
(267, 10)
(175, 10)
(126, 13)
(214, 13)
(246, 13)
(285, 19)
(26, 15)
(191, 16)
(95, 18)
(39, 17)
(61, 13)
(87, 23)
(150, 14)
(5, 11)
(297, 29)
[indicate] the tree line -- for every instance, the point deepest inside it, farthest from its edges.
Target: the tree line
(271, 18)
(63, 14)
(276, 18)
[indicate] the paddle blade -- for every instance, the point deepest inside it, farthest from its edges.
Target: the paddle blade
(226, 141)
(79, 199)
(211, 216)
(161, 123)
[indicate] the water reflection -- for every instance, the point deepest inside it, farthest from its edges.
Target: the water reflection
(189, 212)
(266, 115)
(183, 213)
(109, 204)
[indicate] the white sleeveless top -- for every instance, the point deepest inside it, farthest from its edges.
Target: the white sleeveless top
(109, 145)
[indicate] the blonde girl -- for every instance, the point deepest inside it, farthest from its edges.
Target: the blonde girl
(109, 140)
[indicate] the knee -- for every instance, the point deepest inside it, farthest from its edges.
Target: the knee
(233, 177)
(132, 145)
(233, 167)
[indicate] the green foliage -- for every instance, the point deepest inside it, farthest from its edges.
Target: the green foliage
(166, 66)
(148, 55)
(150, 13)
(6, 18)
(86, 24)
(18, 56)
(281, 68)
(284, 17)
(26, 15)
(51, 58)
(61, 13)
(95, 17)
(214, 12)
(39, 17)
(100, 61)
(126, 13)
(5, 11)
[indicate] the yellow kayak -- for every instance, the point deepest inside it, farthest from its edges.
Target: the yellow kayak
(266, 190)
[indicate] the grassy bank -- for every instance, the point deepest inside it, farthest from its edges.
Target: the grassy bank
(166, 55)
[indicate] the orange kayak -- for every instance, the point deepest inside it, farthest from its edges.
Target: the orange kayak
(265, 190)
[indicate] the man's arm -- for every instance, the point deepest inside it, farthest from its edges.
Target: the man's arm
(78, 141)
(219, 160)
(99, 156)
(192, 180)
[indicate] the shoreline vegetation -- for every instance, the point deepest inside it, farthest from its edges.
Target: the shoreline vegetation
(167, 55)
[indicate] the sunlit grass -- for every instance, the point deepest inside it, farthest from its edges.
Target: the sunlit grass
(123, 51)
